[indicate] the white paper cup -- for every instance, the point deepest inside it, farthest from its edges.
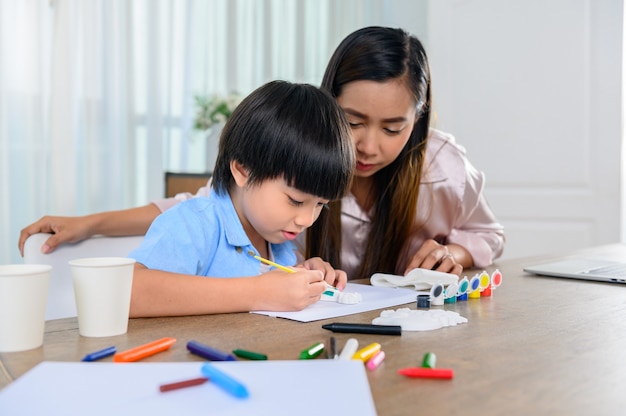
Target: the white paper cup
(23, 295)
(102, 287)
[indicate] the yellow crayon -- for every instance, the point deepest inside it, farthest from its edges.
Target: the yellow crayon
(366, 353)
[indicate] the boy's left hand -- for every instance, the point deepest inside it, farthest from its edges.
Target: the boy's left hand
(333, 277)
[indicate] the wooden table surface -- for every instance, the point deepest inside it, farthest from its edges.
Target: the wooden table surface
(539, 345)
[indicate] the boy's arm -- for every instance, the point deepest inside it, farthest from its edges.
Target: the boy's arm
(159, 293)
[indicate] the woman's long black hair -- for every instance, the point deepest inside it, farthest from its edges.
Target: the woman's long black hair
(381, 54)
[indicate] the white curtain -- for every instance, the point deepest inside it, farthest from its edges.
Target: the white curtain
(96, 96)
(65, 111)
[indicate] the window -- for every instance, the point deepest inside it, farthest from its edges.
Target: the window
(96, 98)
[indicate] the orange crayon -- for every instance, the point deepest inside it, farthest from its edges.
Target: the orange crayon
(143, 351)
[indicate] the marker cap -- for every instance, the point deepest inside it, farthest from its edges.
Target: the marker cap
(436, 295)
(349, 349)
(224, 381)
(250, 355)
(374, 362)
(423, 301)
(429, 360)
(367, 352)
(496, 279)
(312, 352)
(474, 284)
(451, 291)
(463, 286)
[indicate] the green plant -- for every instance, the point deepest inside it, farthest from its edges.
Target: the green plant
(214, 109)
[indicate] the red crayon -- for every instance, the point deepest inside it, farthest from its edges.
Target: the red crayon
(420, 372)
(182, 384)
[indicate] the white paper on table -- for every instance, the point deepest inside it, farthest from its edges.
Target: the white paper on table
(307, 387)
(374, 297)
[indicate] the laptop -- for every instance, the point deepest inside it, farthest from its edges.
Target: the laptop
(583, 268)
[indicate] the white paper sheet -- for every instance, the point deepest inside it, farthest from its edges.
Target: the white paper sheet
(373, 298)
(311, 387)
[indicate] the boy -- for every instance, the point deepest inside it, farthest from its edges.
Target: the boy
(285, 152)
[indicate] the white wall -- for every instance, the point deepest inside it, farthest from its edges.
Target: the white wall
(533, 89)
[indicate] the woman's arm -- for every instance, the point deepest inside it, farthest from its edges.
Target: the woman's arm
(476, 227)
(461, 226)
(133, 221)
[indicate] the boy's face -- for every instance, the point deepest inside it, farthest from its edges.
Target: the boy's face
(275, 212)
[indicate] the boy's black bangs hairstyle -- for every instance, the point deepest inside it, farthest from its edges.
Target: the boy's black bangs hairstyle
(293, 131)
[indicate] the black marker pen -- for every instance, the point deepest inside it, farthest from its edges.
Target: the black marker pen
(364, 328)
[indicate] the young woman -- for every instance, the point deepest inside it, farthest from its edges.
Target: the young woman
(416, 200)
(284, 154)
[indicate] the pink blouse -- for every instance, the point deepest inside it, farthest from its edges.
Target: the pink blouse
(451, 209)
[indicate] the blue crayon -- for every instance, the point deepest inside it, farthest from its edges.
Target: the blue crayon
(209, 353)
(99, 354)
(224, 381)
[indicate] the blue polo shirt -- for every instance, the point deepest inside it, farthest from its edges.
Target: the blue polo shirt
(203, 236)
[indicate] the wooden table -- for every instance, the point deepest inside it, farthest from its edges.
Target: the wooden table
(539, 345)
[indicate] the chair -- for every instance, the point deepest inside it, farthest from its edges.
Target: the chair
(61, 303)
(176, 183)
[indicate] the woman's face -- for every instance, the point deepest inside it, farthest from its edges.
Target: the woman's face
(382, 117)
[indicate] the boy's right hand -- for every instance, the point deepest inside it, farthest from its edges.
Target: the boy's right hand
(281, 291)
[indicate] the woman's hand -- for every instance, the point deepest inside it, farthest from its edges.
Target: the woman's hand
(64, 230)
(131, 221)
(442, 258)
